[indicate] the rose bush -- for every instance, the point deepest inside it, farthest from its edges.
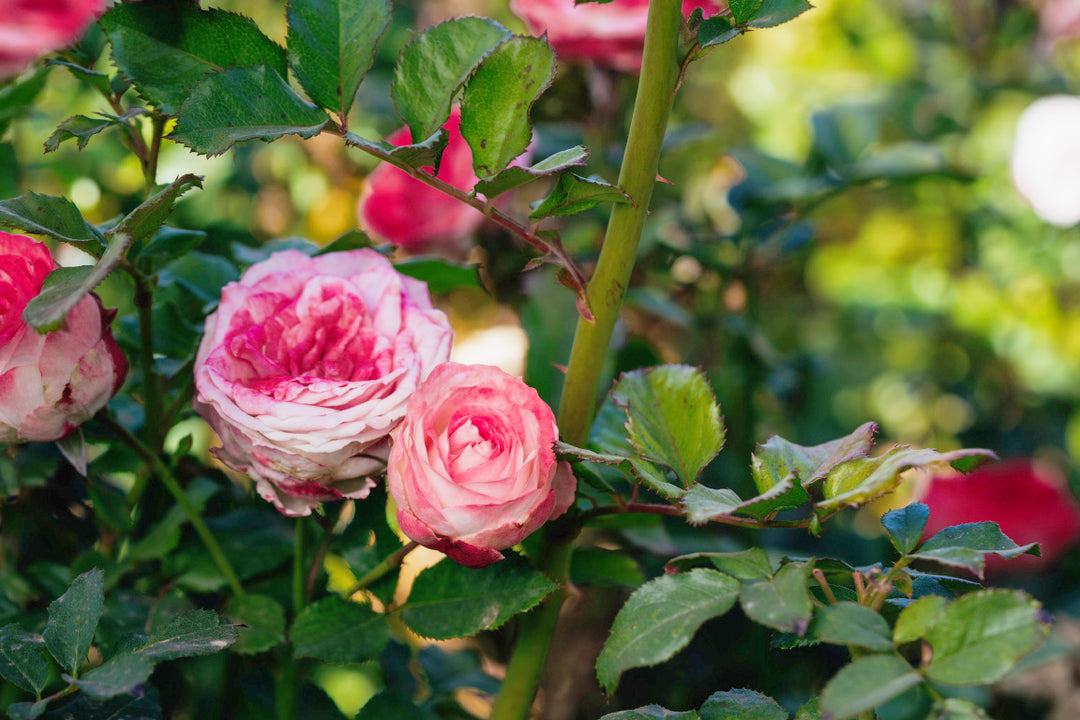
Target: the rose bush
(1046, 158)
(49, 383)
(611, 34)
(472, 468)
(306, 366)
(32, 28)
(399, 209)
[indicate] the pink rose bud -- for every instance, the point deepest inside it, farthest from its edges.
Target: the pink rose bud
(399, 209)
(610, 34)
(32, 28)
(1046, 158)
(307, 365)
(472, 468)
(1029, 501)
(50, 383)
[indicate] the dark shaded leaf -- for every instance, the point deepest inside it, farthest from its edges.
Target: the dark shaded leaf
(905, 526)
(121, 675)
(73, 620)
(741, 705)
(966, 546)
(848, 623)
(22, 659)
(574, 194)
(865, 684)
(336, 630)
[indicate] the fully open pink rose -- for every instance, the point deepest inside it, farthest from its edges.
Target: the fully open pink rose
(32, 28)
(1028, 500)
(307, 365)
(610, 34)
(49, 383)
(401, 210)
(472, 468)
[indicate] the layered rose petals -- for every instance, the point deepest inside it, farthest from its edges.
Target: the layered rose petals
(472, 468)
(306, 367)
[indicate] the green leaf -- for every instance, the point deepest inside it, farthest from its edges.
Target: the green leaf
(660, 618)
(966, 546)
(337, 630)
(498, 96)
(93, 78)
(165, 49)
(389, 704)
(743, 10)
(905, 526)
(782, 603)
(441, 276)
(165, 535)
(848, 623)
(53, 217)
(170, 242)
(22, 661)
(771, 13)
(917, 618)
(639, 470)
(198, 632)
(957, 709)
(604, 568)
(73, 620)
(652, 712)
(741, 705)
(866, 683)
(121, 675)
(82, 128)
(752, 564)
(332, 45)
(980, 637)
(703, 504)
(449, 600)
(245, 103)
(574, 194)
(863, 479)
(810, 710)
(516, 176)
(153, 212)
(716, 30)
(17, 98)
(27, 710)
(418, 155)
(120, 707)
(264, 618)
(778, 461)
(435, 65)
(672, 417)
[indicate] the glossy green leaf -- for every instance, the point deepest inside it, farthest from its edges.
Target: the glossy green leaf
(917, 617)
(99, 81)
(741, 704)
(336, 630)
(427, 153)
(716, 30)
(771, 13)
(848, 623)
(779, 461)
(22, 659)
(743, 10)
(516, 176)
(81, 128)
(966, 546)
(865, 684)
(120, 707)
(245, 103)
(703, 503)
(672, 417)
(497, 98)
(262, 623)
(170, 242)
(145, 220)
(905, 526)
(782, 603)
(73, 620)
(752, 564)
(332, 45)
(450, 600)
(980, 637)
(435, 65)
(197, 632)
(652, 712)
(440, 276)
(574, 194)
(52, 217)
(121, 675)
(637, 469)
(660, 618)
(957, 709)
(165, 49)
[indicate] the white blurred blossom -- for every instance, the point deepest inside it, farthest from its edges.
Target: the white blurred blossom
(1046, 158)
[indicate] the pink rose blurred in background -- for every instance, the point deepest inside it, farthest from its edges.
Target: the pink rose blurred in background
(1028, 500)
(610, 34)
(32, 28)
(472, 468)
(306, 366)
(50, 383)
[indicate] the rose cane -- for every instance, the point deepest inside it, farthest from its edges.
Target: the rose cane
(306, 367)
(472, 468)
(49, 383)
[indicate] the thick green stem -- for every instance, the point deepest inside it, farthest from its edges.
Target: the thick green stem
(656, 87)
(298, 566)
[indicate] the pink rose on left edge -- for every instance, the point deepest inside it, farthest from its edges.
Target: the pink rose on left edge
(50, 383)
(32, 28)
(306, 366)
(472, 467)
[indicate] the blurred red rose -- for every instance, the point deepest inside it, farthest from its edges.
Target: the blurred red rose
(1028, 500)
(610, 34)
(32, 28)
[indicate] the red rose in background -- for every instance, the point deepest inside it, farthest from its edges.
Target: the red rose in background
(1028, 500)
(32, 28)
(611, 34)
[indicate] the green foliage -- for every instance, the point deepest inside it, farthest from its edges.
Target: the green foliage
(966, 546)
(121, 675)
(73, 620)
(262, 623)
(337, 630)
(81, 128)
(854, 625)
(51, 217)
(574, 194)
(651, 712)
(516, 176)
(783, 602)
(22, 660)
(747, 15)
(741, 705)
(905, 526)
(198, 632)
(865, 684)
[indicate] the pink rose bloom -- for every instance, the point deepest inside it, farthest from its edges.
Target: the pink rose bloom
(51, 383)
(1046, 158)
(472, 468)
(398, 209)
(1029, 501)
(32, 28)
(306, 366)
(611, 34)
